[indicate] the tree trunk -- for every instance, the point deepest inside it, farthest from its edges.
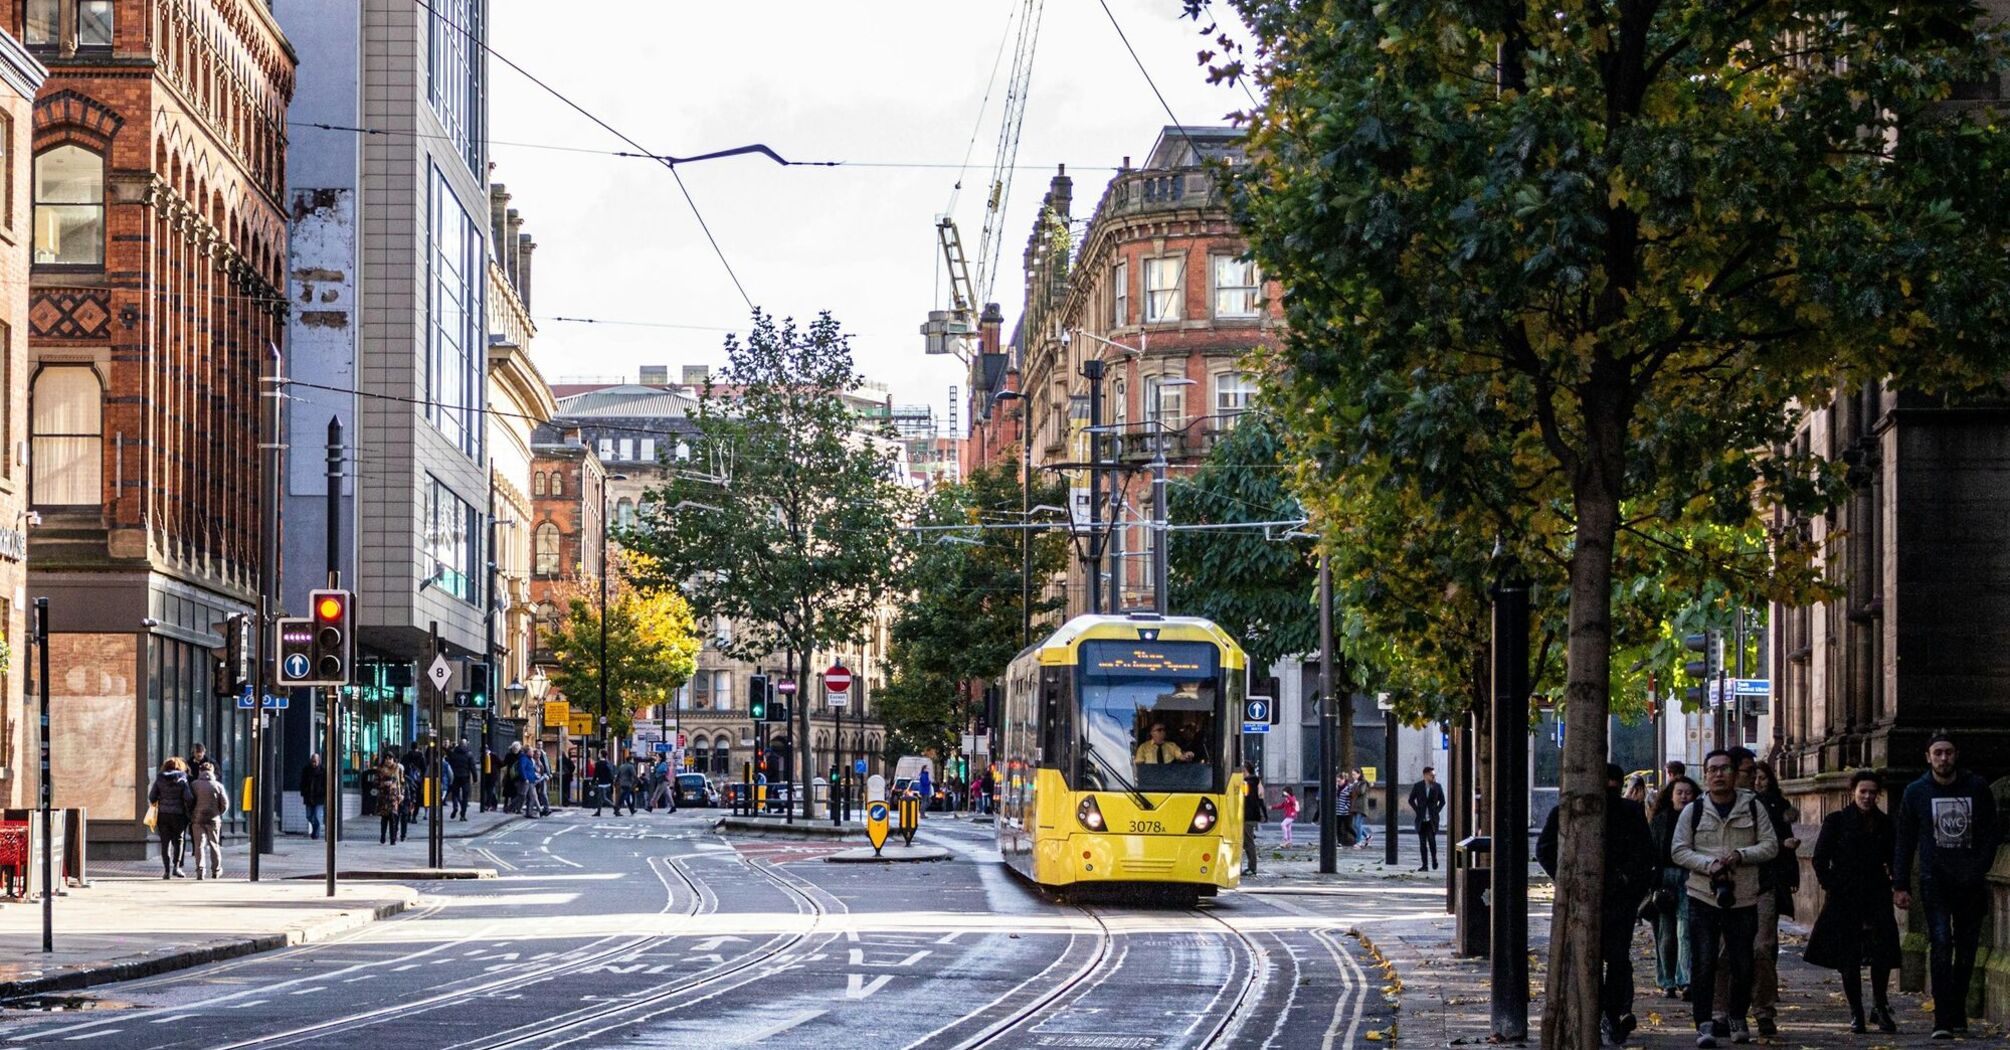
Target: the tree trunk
(1570, 1012)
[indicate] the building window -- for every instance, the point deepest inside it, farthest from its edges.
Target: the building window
(45, 23)
(722, 690)
(722, 754)
(1233, 393)
(450, 532)
(649, 450)
(6, 401)
(1238, 288)
(454, 373)
(70, 207)
(606, 449)
(557, 483)
(1120, 404)
(65, 450)
(7, 170)
(1162, 288)
(1165, 401)
(454, 74)
(546, 550)
(624, 513)
(701, 689)
(537, 484)
(628, 450)
(94, 23)
(1121, 281)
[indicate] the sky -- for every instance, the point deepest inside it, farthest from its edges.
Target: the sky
(879, 82)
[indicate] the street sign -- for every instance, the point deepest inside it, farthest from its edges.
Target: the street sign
(557, 712)
(877, 818)
(837, 699)
(296, 644)
(786, 686)
(1752, 686)
(858, 766)
(1256, 709)
(837, 678)
(296, 665)
(440, 672)
(580, 724)
(270, 703)
(663, 747)
(1384, 702)
(1256, 727)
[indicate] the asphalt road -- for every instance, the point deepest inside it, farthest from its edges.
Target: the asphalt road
(653, 931)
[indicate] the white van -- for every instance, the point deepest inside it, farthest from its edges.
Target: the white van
(908, 769)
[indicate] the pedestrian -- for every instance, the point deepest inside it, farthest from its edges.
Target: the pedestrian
(567, 769)
(665, 791)
(1670, 900)
(508, 776)
(1674, 770)
(1427, 803)
(1254, 813)
(1947, 820)
(1745, 772)
(626, 776)
(1288, 806)
(1723, 839)
(207, 803)
(197, 755)
(924, 788)
(1363, 834)
(542, 785)
(1343, 809)
(314, 794)
(1852, 862)
(1777, 882)
(1636, 789)
(168, 794)
(390, 800)
(461, 767)
(603, 783)
(1629, 876)
(418, 770)
(527, 777)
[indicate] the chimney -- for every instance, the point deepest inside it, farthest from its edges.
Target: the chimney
(988, 325)
(655, 375)
(696, 375)
(524, 246)
(512, 229)
(498, 207)
(571, 434)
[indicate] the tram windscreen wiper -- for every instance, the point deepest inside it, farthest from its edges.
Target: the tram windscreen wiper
(1136, 795)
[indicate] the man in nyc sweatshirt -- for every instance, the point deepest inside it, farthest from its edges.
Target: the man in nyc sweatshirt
(1948, 820)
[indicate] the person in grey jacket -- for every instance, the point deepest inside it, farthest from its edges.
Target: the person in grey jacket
(207, 803)
(1723, 839)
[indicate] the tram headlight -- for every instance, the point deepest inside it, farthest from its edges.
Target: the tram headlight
(1089, 814)
(1204, 817)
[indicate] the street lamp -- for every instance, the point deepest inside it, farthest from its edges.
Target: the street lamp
(605, 509)
(516, 691)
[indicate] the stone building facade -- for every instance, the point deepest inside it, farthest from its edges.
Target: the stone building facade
(157, 304)
(21, 77)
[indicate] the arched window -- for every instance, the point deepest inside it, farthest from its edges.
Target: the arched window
(700, 754)
(624, 513)
(537, 484)
(557, 483)
(546, 550)
(547, 618)
(66, 442)
(69, 207)
(722, 754)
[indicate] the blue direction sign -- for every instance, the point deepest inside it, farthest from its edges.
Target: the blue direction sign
(663, 747)
(1752, 686)
(1256, 727)
(858, 766)
(1256, 709)
(271, 703)
(296, 666)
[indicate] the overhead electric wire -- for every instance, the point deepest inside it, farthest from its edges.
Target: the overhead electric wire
(983, 105)
(611, 129)
(1163, 104)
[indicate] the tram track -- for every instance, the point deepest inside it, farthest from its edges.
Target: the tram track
(1012, 1022)
(589, 1022)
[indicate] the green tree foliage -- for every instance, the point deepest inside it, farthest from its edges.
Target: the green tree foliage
(793, 533)
(959, 620)
(1257, 584)
(1570, 269)
(652, 648)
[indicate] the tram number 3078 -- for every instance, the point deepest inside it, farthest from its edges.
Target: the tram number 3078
(1139, 827)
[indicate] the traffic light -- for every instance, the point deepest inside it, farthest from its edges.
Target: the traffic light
(778, 711)
(334, 654)
(757, 697)
(1706, 671)
(478, 687)
(226, 675)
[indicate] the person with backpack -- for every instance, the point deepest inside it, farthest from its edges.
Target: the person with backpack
(168, 795)
(1947, 823)
(1253, 815)
(1723, 840)
(1629, 876)
(1288, 806)
(1777, 883)
(207, 803)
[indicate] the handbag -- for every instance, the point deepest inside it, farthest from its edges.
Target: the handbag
(153, 816)
(1665, 900)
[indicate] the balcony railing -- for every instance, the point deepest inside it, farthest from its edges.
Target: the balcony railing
(1161, 189)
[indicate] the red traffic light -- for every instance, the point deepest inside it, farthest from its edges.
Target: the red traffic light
(328, 607)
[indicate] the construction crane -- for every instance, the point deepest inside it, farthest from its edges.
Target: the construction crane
(949, 331)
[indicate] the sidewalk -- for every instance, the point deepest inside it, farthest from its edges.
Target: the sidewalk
(1447, 1001)
(130, 923)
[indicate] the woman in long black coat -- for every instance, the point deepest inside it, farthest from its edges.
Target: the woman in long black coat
(1856, 926)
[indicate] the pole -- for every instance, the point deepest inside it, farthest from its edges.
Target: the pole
(1389, 793)
(1328, 819)
(1734, 702)
(436, 839)
(331, 736)
(489, 654)
(1509, 954)
(257, 794)
(837, 716)
(1455, 795)
(1025, 536)
(47, 799)
(1160, 532)
(1092, 370)
(804, 760)
(274, 448)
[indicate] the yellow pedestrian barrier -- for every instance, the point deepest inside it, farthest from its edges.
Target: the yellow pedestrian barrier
(247, 794)
(429, 792)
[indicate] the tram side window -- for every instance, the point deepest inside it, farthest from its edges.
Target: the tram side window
(1054, 720)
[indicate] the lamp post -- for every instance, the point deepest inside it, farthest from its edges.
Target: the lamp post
(536, 688)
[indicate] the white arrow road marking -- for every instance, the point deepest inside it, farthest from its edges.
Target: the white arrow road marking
(857, 987)
(712, 944)
(858, 958)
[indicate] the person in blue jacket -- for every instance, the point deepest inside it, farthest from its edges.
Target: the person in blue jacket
(1947, 820)
(527, 775)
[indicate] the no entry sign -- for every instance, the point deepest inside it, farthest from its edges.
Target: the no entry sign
(837, 678)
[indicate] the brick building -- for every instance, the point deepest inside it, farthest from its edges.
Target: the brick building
(157, 302)
(569, 504)
(21, 78)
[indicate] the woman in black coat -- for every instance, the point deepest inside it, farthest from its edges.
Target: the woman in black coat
(1856, 926)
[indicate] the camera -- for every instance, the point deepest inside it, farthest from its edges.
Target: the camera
(1725, 890)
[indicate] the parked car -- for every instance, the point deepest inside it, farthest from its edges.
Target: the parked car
(694, 790)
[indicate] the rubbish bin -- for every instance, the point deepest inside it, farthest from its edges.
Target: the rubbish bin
(1474, 878)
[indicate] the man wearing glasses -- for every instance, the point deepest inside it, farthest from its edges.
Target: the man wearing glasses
(1723, 839)
(1948, 819)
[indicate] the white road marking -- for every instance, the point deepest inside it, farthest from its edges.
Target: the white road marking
(243, 1005)
(91, 1035)
(170, 1018)
(857, 987)
(309, 990)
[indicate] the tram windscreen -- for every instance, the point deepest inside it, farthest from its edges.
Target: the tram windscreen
(1151, 716)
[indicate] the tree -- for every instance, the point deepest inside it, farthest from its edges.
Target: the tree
(1575, 269)
(1257, 584)
(652, 648)
(794, 536)
(960, 615)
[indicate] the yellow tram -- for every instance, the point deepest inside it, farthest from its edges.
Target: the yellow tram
(1118, 756)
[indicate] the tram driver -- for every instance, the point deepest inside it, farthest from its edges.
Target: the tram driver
(1157, 750)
